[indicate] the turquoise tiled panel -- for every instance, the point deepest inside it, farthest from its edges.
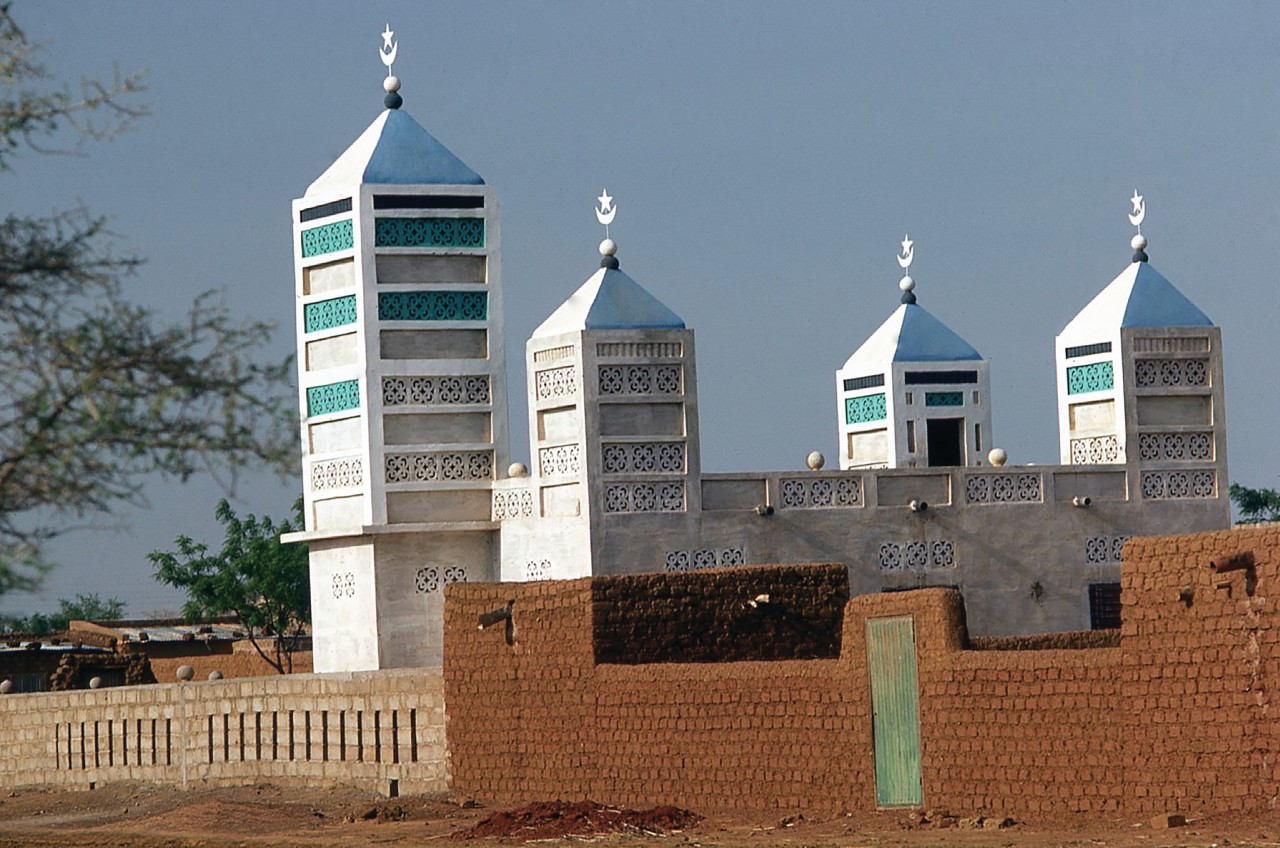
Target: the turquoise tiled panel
(327, 314)
(333, 397)
(429, 232)
(1096, 377)
(858, 410)
(433, 306)
(944, 398)
(328, 238)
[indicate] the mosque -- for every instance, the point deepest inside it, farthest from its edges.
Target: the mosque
(402, 393)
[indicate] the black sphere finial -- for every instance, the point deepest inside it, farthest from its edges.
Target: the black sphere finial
(908, 297)
(1139, 256)
(393, 100)
(609, 262)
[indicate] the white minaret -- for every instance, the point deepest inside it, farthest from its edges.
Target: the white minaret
(402, 387)
(914, 394)
(613, 423)
(1140, 382)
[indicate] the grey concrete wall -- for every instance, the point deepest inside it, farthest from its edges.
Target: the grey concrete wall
(366, 729)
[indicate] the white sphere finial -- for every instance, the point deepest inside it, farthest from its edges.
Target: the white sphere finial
(391, 84)
(906, 284)
(815, 460)
(608, 247)
(997, 457)
(1138, 242)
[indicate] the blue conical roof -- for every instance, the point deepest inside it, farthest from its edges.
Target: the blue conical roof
(395, 149)
(609, 300)
(1139, 296)
(912, 334)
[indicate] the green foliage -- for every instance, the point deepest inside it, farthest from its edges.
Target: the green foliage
(97, 392)
(255, 577)
(90, 607)
(1256, 506)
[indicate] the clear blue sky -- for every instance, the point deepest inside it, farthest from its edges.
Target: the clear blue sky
(766, 159)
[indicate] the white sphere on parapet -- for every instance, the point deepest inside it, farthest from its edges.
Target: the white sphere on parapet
(608, 247)
(997, 457)
(815, 460)
(391, 84)
(1138, 242)
(517, 469)
(906, 283)
(185, 672)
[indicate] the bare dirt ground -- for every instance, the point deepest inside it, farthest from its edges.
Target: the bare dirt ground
(153, 817)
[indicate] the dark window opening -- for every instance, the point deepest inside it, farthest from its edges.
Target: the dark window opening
(945, 441)
(1104, 606)
(854, 383)
(1088, 350)
(428, 201)
(325, 210)
(939, 378)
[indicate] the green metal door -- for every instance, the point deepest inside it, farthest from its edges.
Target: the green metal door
(895, 710)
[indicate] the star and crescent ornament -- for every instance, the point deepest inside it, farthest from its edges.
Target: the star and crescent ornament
(606, 210)
(1139, 210)
(389, 48)
(908, 252)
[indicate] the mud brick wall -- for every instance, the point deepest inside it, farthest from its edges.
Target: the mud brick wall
(1201, 659)
(522, 692)
(713, 616)
(1022, 732)
(368, 729)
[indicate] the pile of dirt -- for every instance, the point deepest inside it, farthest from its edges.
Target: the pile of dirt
(558, 819)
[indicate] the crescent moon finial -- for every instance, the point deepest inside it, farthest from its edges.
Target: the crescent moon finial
(606, 211)
(1139, 210)
(1139, 241)
(387, 52)
(908, 252)
(906, 284)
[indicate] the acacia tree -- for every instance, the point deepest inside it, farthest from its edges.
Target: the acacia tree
(1257, 506)
(96, 391)
(260, 581)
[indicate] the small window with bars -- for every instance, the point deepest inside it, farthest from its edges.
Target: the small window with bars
(1104, 606)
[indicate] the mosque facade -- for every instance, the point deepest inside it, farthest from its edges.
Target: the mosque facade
(408, 486)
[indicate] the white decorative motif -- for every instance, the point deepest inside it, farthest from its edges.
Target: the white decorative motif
(651, 458)
(908, 253)
(1176, 344)
(557, 382)
(537, 569)
(517, 504)
(387, 53)
(1139, 210)
(640, 380)
(1170, 372)
(1095, 450)
(1103, 549)
(553, 354)
(344, 473)
(821, 492)
(559, 461)
(606, 211)
(344, 585)
(1172, 485)
(432, 578)
(423, 391)
(1002, 488)
(916, 556)
(640, 350)
(644, 497)
(437, 467)
(704, 558)
(1176, 446)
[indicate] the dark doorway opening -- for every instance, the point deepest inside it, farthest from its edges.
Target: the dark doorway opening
(946, 441)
